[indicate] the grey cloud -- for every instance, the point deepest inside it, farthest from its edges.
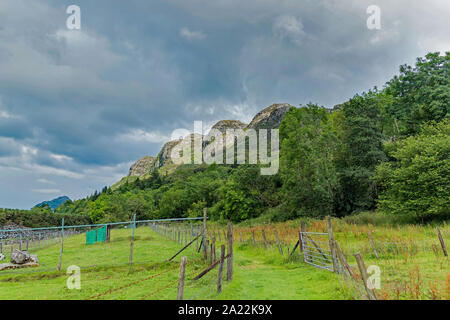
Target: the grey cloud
(106, 95)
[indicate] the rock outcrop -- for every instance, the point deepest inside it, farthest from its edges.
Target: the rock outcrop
(164, 157)
(223, 125)
(270, 117)
(142, 166)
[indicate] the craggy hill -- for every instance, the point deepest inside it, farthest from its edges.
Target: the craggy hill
(268, 118)
(383, 153)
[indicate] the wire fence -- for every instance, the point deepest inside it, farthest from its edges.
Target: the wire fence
(132, 246)
(59, 247)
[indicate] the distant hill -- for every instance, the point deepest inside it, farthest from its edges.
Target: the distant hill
(55, 203)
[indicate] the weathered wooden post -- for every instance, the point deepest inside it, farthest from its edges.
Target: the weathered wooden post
(108, 232)
(441, 240)
(213, 249)
(373, 245)
(343, 261)
(278, 242)
(240, 233)
(230, 253)
(264, 238)
(204, 233)
(364, 276)
(208, 253)
(132, 241)
(331, 242)
(220, 277)
(181, 278)
(62, 245)
(300, 242)
(303, 244)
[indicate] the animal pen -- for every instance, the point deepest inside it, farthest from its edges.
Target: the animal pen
(97, 246)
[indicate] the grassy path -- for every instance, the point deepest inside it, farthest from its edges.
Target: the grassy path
(261, 275)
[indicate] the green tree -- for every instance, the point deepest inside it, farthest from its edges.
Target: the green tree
(421, 93)
(306, 161)
(418, 181)
(359, 153)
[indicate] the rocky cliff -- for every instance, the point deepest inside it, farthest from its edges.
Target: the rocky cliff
(142, 166)
(268, 118)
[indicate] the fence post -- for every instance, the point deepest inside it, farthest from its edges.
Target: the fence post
(62, 245)
(181, 278)
(331, 241)
(278, 242)
(219, 280)
(230, 253)
(373, 245)
(343, 261)
(264, 238)
(204, 233)
(365, 277)
(303, 230)
(300, 241)
(213, 249)
(132, 241)
(253, 237)
(240, 233)
(441, 240)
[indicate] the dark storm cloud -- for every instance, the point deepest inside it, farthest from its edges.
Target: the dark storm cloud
(77, 107)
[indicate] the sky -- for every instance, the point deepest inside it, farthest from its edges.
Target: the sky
(78, 107)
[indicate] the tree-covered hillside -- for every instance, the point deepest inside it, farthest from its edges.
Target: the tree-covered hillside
(384, 150)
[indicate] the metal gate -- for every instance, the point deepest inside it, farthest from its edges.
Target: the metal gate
(316, 250)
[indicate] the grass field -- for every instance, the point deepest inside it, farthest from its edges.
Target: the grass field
(411, 263)
(105, 267)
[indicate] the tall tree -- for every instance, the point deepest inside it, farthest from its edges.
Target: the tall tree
(421, 93)
(306, 161)
(360, 152)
